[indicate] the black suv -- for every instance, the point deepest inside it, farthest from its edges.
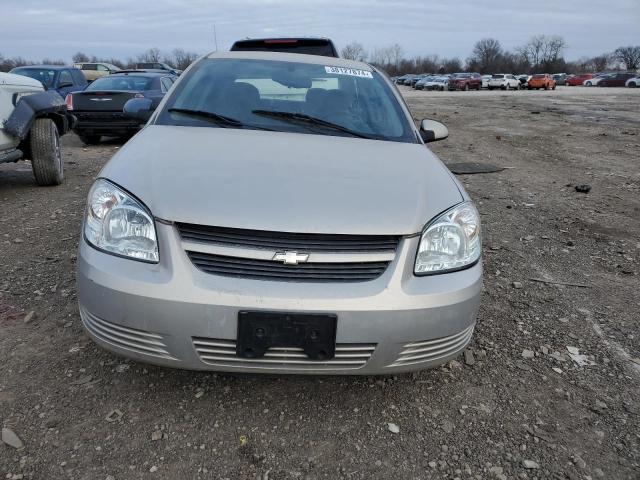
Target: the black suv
(309, 46)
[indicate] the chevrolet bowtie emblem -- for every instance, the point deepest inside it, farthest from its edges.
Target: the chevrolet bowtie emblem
(291, 258)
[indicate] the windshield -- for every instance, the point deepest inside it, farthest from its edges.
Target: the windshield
(539, 75)
(497, 76)
(43, 75)
(120, 82)
(288, 97)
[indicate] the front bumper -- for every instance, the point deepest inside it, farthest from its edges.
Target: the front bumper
(174, 315)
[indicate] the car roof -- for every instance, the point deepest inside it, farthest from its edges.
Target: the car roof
(50, 67)
(292, 57)
(140, 73)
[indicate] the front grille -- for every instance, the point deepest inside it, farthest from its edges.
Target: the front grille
(222, 353)
(431, 350)
(132, 339)
(270, 270)
(235, 237)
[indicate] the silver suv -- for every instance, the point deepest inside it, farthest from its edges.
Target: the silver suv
(280, 213)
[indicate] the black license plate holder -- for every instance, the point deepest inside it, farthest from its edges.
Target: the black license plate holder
(314, 333)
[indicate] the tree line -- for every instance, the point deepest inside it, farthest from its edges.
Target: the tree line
(540, 54)
(177, 58)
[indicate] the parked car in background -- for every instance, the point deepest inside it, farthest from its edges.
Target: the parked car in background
(578, 79)
(485, 81)
(98, 109)
(193, 254)
(62, 79)
(93, 70)
(541, 80)
(31, 123)
(406, 79)
(592, 82)
(633, 82)
(417, 78)
(401, 79)
(504, 81)
(308, 46)
(158, 66)
(437, 83)
(465, 81)
(422, 82)
(616, 80)
(524, 80)
(560, 78)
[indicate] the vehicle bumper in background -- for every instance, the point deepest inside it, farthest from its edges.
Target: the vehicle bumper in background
(109, 123)
(174, 315)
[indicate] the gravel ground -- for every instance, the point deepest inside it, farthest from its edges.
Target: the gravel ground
(547, 390)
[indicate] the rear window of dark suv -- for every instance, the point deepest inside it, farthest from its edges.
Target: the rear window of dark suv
(309, 46)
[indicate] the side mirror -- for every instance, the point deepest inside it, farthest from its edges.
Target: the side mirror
(65, 84)
(139, 108)
(432, 131)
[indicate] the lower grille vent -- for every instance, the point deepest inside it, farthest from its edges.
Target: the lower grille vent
(222, 353)
(131, 339)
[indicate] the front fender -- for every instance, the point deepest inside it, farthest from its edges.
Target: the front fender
(43, 104)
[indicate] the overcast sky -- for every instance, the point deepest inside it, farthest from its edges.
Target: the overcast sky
(122, 28)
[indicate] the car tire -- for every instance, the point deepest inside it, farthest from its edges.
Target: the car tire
(89, 139)
(466, 87)
(506, 87)
(46, 157)
(553, 88)
(632, 85)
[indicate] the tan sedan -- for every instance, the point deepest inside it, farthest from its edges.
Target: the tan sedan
(94, 70)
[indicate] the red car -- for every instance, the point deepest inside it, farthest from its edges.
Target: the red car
(465, 81)
(576, 80)
(617, 80)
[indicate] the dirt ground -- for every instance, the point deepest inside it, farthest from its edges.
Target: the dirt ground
(525, 406)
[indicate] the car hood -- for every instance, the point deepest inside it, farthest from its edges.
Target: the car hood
(286, 182)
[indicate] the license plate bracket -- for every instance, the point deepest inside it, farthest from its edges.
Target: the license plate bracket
(314, 333)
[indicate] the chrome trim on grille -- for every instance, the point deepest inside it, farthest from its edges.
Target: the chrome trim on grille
(222, 353)
(132, 339)
(262, 254)
(431, 350)
(307, 242)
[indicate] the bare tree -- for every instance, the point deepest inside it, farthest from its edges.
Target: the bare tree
(80, 57)
(630, 56)
(486, 55)
(152, 55)
(354, 51)
(180, 58)
(396, 54)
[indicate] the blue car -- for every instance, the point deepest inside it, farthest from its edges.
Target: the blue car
(99, 108)
(62, 79)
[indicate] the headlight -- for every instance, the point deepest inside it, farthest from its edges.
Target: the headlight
(119, 224)
(450, 241)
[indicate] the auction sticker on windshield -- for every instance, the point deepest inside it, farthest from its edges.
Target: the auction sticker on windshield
(354, 72)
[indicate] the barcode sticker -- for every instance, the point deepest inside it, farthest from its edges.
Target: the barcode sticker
(354, 72)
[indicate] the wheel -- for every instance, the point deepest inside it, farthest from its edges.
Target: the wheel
(506, 87)
(89, 139)
(632, 84)
(554, 87)
(588, 84)
(466, 87)
(46, 158)
(490, 88)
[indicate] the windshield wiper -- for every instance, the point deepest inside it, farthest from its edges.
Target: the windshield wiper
(308, 119)
(217, 118)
